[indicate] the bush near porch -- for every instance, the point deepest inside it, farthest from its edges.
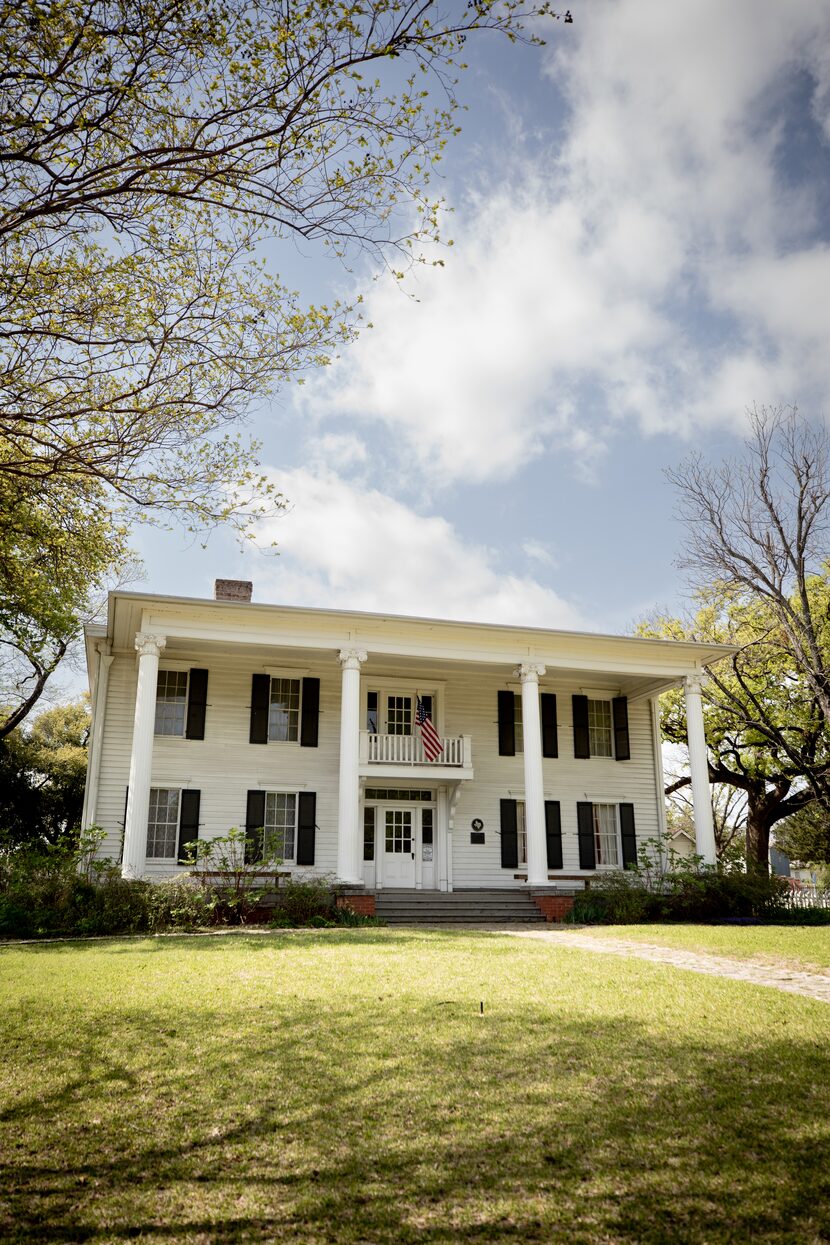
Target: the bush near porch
(345, 1087)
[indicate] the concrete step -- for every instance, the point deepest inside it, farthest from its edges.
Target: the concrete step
(469, 907)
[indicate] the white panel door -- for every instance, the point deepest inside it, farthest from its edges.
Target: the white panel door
(399, 847)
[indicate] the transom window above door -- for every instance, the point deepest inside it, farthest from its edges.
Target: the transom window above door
(393, 713)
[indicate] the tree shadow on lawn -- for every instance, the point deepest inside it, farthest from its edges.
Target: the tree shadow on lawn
(421, 1123)
(212, 941)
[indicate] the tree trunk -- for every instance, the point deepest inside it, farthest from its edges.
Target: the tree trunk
(759, 821)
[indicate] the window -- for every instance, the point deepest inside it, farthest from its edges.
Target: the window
(280, 825)
(599, 728)
(391, 713)
(284, 710)
(518, 723)
(171, 702)
(369, 833)
(399, 793)
(163, 823)
(521, 832)
(605, 835)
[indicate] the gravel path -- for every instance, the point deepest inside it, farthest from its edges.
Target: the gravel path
(814, 985)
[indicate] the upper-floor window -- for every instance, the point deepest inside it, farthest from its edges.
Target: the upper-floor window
(600, 732)
(389, 713)
(284, 710)
(171, 702)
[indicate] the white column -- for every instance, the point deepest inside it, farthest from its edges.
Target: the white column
(537, 852)
(138, 801)
(349, 852)
(699, 767)
(96, 741)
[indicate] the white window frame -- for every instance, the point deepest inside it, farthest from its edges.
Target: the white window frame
(521, 835)
(286, 677)
(403, 687)
(173, 856)
(273, 793)
(164, 670)
(601, 700)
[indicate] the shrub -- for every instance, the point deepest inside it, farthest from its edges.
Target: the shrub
(687, 891)
(302, 899)
(180, 903)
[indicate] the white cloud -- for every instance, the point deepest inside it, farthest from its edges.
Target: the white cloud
(343, 545)
(663, 270)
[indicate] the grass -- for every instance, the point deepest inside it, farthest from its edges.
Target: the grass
(806, 946)
(343, 1086)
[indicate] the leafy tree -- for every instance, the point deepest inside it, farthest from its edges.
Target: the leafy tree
(42, 776)
(806, 835)
(152, 155)
(757, 529)
(59, 546)
(765, 730)
(148, 148)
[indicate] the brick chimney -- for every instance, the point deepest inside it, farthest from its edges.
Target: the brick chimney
(232, 590)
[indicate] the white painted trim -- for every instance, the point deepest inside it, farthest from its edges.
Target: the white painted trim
(659, 778)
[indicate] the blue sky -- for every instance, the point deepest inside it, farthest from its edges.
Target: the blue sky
(641, 220)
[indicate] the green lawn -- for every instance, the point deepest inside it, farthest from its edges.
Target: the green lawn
(807, 946)
(342, 1086)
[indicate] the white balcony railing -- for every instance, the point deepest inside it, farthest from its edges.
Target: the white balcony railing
(409, 750)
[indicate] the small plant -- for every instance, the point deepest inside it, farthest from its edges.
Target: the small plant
(225, 868)
(304, 899)
(180, 903)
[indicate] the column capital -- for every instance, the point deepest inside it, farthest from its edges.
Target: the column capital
(351, 658)
(149, 645)
(529, 672)
(694, 683)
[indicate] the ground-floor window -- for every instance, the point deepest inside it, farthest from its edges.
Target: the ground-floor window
(163, 823)
(521, 832)
(280, 825)
(606, 838)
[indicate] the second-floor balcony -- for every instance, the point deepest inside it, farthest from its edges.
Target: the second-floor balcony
(407, 752)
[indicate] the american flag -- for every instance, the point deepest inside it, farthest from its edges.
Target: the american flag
(429, 735)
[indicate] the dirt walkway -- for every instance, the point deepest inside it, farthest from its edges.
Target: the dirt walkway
(815, 984)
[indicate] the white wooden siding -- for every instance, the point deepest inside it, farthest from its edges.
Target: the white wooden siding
(224, 766)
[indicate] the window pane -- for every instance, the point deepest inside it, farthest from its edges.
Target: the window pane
(372, 713)
(605, 834)
(284, 713)
(280, 821)
(521, 831)
(171, 702)
(398, 793)
(518, 721)
(398, 831)
(162, 823)
(599, 727)
(369, 833)
(399, 715)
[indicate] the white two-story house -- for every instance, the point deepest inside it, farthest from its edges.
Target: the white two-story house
(383, 751)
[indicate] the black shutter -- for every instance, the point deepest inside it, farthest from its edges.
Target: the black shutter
(188, 822)
(622, 748)
(628, 836)
(553, 833)
(260, 706)
(507, 725)
(582, 738)
(306, 825)
(310, 713)
(254, 821)
(196, 704)
(550, 737)
(585, 830)
(509, 834)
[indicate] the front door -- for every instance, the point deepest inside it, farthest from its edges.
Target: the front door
(399, 847)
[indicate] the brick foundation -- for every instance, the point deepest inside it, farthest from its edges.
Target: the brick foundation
(362, 905)
(554, 907)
